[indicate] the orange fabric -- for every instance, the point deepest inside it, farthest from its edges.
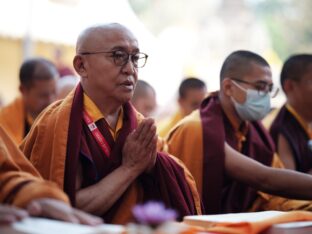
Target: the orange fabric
(12, 119)
(181, 141)
(258, 227)
(52, 126)
(166, 125)
(15, 170)
(186, 140)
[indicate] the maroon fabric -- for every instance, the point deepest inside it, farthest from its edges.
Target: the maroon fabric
(166, 183)
(288, 126)
(221, 194)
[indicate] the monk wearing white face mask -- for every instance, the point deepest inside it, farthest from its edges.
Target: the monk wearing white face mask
(226, 148)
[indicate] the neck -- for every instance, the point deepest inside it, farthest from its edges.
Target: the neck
(109, 107)
(229, 109)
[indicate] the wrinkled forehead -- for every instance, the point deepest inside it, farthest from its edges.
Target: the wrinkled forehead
(107, 38)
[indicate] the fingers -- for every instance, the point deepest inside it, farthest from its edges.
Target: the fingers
(87, 219)
(55, 209)
(147, 132)
(9, 214)
(51, 208)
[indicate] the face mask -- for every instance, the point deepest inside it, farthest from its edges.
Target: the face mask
(255, 107)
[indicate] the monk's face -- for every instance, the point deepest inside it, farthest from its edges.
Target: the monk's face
(39, 95)
(103, 76)
(192, 100)
(146, 104)
(258, 77)
(301, 92)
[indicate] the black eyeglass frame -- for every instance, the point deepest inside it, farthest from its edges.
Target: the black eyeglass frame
(114, 55)
(273, 91)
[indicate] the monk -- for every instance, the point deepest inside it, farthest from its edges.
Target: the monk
(227, 149)
(292, 130)
(38, 89)
(96, 146)
(192, 92)
(144, 98)
(22, 186)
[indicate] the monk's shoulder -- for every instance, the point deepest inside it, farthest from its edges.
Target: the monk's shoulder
(189, 126)
(190, 122)
(55, 111)
(12, 108)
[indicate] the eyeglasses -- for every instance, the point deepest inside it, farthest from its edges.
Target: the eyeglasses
(261, 86)
(122, 57)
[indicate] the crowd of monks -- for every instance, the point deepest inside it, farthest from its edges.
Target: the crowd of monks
(92, 152)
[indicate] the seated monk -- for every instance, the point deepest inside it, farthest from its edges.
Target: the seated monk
(227, 149)
(96, 146)
(292, 128)
(38, 89)
(21, 186)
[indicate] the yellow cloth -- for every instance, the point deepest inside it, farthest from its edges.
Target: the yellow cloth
(166, 125)
(12, 119)
(96, 115)
(46, 147)
(185, 141)
(15, 170)
(255, 227)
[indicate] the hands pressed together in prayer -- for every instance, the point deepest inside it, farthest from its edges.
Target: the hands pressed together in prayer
(49, 208)
(140, 149)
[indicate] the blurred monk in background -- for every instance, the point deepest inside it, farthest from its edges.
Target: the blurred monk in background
(38, 78)
(192, 92)
(292, 128)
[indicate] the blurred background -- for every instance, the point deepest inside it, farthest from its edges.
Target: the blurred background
(182, 37)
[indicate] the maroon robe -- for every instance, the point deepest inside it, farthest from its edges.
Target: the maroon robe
(166, 183)
(221, 194)
(288, 126)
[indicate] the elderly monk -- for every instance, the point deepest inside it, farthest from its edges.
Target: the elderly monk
(22, 186)
(38, 88)
(292, 129)
(212, 141)
(192, 92)
(96, 146)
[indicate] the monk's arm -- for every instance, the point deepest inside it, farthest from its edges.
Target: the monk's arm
(139, 155)
(100, 197)
(280, 182)
(285, 153)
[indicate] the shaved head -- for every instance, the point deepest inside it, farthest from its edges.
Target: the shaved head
(92, 38)
(238, 64)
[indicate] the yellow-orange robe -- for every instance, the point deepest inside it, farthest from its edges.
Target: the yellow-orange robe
(13, 119)
(49, 147)
(163, 127)
(185, 141)
(20, 183)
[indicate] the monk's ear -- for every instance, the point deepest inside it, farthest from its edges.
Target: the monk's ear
(79, 66)
(288, 86)
(226, 86)
(23, 89)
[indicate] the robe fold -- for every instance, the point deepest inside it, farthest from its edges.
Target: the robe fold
(20, 183)
(296, 136)
(13, 120)
(60, 141)
(198, 140)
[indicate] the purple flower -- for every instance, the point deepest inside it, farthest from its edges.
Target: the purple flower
(153, 213)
